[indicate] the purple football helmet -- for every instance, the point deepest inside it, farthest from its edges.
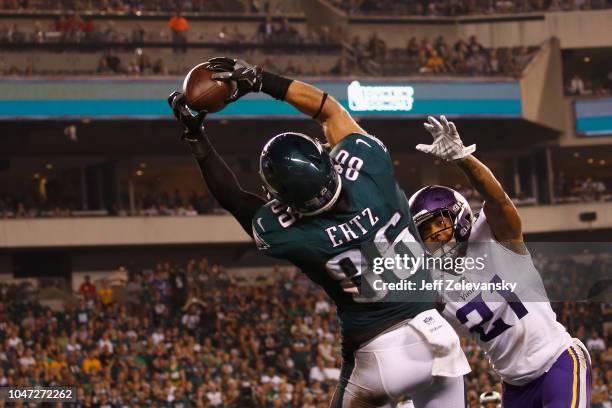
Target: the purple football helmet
(431, 201)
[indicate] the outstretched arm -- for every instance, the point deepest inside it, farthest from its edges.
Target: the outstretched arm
(336, 121)
(220, 179)
(501, 213)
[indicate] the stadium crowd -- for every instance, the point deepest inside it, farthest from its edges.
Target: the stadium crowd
(149, 203)
(589, 85)
(196, 335)
(153, 202)
(439, 8)
(73, 27)
(120, 6)
(371, 56)
(580, 189)
(437, 56)
(390, 7)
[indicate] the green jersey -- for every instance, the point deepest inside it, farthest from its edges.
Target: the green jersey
(330, 246)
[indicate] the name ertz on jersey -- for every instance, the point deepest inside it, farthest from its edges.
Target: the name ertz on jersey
(356, 227)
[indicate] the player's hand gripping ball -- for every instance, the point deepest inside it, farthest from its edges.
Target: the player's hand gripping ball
(243, 77)
(203, 93)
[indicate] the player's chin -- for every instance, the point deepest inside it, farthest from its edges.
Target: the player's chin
(433, 245)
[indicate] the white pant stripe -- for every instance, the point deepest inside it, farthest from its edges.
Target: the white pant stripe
(582, 371)
(583, 366)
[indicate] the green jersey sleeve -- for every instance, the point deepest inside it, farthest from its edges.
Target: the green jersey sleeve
(272, 232)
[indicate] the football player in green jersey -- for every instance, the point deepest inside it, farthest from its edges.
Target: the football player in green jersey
(324, 212)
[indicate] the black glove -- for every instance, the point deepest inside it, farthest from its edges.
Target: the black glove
(246, 77)
(193, 125)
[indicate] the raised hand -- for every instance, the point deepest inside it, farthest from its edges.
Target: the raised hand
(192, 124)
(447, 144)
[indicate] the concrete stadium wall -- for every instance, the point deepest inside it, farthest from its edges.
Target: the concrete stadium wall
(87, 232)
(577, 29)
(542, 87)
(74, 232)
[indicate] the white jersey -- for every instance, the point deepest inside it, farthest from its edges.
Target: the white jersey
(517, 330)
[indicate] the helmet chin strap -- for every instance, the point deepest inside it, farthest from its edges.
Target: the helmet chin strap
(327, 206)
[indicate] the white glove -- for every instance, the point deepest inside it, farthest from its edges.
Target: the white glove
(447, 144)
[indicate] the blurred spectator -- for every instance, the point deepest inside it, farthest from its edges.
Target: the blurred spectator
(285, 32)
(138, 34)
(92, 364)
(476, 63)
(441, 47)
(377, 47)
(412, 48)
(159, 68)
(15, 35)
(493, 67)
(522, 57)
(179, 27)
(87, 288)
(105, 293)
(435, 63)
(341, 68)
(38, 35)
(110, 33)
(110, 62)
(265, 30)
(474, 47)
(143, 62)
(595, 342)
(576, 86)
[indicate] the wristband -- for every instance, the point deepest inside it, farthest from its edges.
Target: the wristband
(321, 107)
(275, 85)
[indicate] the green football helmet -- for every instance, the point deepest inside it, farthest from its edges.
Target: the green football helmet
(297, 171)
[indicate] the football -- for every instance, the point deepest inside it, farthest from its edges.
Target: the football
(204, 93)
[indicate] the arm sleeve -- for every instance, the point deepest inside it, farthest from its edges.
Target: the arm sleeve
(224, 186)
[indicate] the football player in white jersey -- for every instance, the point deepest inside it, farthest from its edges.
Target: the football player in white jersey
(541, 365)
